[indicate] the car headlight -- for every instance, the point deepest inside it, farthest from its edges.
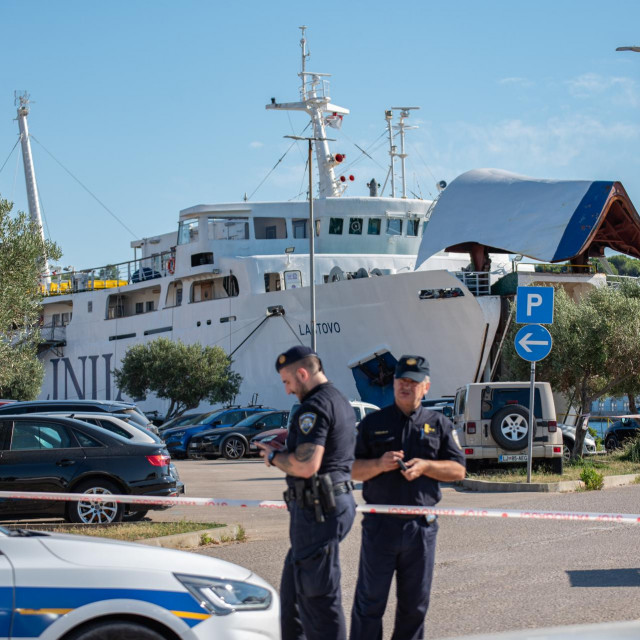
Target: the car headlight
(211, 438)
(222, 597)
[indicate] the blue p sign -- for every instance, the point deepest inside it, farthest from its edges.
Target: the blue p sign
(534, 305)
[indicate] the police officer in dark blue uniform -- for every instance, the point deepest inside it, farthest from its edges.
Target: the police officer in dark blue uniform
(402, 451)
(320, 445)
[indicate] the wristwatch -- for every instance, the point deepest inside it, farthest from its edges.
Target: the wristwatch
(271, 456)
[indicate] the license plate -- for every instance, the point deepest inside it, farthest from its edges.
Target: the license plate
(193, 445)
(513, 458)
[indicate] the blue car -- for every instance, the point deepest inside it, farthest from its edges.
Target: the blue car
(177, 439)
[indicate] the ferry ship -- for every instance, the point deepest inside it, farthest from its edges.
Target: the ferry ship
(241, 275)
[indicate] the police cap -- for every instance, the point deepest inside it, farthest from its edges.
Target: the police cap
(412, 367)
(294, 354)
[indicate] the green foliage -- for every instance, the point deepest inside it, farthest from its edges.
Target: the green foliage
(631, 452)
(593, 481)
(625, 266)
(184, 374)
(21, 265)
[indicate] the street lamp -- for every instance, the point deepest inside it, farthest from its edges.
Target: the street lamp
(311, 239)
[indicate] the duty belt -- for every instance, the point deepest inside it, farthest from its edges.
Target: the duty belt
(338, 489)
(318, 493)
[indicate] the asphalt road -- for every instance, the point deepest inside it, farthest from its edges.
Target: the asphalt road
(491, 574)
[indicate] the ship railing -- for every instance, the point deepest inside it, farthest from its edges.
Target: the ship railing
(111, 276)
(478, 282)
(53, 333)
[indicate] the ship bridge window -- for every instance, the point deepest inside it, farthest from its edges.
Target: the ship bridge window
(299, 227)
(272, 282)
(394, 227)
(198, 259)
(226, 228)
(187, 231)
(335, 226)
(374, 226)
(269, 228)
(413, 226)
(174, 294)
(355, 226)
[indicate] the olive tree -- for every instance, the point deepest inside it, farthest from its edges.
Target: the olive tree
(21, 264)
(596, 348)
(184, 374)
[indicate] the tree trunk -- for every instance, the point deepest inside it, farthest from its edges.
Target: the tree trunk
(632, 404)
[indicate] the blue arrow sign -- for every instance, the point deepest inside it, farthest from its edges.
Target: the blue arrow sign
(533, 342)
(534, 305)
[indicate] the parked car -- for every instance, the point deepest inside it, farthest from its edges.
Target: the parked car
(233, 442)
(276, 438)
(360, 409)
(569, 439)
(185, 418)
(46, 453)
(5, 401)
(177, 439)
(105, 406)
(621, 431)
(492, 423)
(442, 405)
(63, 587)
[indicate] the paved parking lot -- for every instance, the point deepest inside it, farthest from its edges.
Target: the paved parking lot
(491, 575)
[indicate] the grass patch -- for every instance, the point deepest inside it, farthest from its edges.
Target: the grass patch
(129, 531)
(619, 463)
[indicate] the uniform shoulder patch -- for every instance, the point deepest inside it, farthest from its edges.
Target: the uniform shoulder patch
(306, 422)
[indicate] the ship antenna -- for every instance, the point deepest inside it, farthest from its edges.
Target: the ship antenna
(305, 55)
(401, 127)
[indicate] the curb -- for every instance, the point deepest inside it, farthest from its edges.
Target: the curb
(193, 538)
(563, 486)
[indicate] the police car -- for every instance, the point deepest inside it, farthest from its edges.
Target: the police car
(65, 587)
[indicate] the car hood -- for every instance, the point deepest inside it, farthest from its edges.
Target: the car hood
(96, 553)
(271, 432)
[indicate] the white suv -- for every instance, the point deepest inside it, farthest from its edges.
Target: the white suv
(492, 422)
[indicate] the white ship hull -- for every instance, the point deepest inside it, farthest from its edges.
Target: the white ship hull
(355, 318)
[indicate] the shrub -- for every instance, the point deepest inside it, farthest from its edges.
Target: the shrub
(631, 452)
(593, 481)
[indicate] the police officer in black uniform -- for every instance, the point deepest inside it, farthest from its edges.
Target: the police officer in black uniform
(402, 451)
(320, 445)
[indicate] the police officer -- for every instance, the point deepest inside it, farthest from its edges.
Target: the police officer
(320, 445)
(402, 451)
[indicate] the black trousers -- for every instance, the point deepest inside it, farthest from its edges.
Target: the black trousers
(406, 547)
(310, 595)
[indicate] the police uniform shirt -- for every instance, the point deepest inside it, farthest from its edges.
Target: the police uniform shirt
(326, 418)
(424, 434)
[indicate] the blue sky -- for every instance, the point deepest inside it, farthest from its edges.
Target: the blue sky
(156, 106)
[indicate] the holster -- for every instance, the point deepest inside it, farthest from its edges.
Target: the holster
(327, 496)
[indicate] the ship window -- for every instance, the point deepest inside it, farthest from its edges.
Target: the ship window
(299, 228)
(198, 259)
(230, 284)
(139, 307)
(272, 282)
(394, 227)
(412, 227)
(225, 228)
(270, 228)
(355, 226)
(374, 226)
(335, 226)
(178, 297)
(292, 279)
(149, 305)
(187, 231)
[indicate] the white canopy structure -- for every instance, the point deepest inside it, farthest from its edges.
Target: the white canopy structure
(490, 210)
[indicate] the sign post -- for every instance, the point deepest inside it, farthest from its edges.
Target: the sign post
(533, 342)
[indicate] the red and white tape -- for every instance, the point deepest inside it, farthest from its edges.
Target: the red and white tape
(384, 509)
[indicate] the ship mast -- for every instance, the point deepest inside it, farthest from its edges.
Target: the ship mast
(316, 103)
(22, 100)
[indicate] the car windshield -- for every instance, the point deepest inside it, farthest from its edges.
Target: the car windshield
(136, 416)
(249, 420)
(208, 417)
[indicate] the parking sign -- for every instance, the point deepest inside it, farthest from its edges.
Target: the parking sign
(534, 305)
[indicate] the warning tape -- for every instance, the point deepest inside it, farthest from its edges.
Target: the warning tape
(381, 509)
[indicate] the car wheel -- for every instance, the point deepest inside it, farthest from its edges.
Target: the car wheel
(134, 516)
(95, 512)
(567, 449)
(510, 427)
(611, 443)
(115, 630)
(233, 448)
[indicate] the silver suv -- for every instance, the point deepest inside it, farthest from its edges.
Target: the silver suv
(492, 422)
